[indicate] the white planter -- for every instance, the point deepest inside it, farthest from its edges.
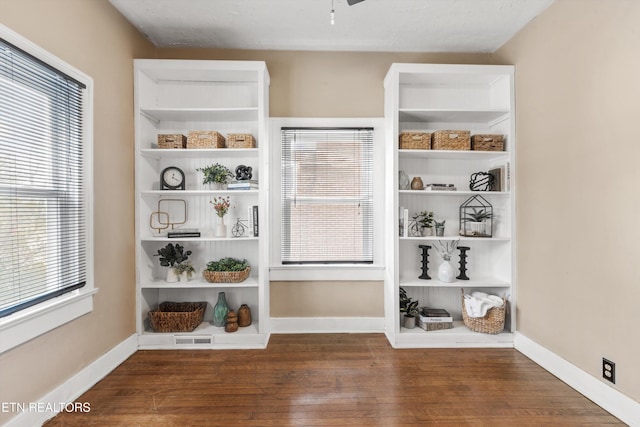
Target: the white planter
(172, 275)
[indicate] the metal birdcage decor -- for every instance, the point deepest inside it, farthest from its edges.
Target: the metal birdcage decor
(476, 217)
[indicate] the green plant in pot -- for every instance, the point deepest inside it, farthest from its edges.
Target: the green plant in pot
(227, 269)
(476, 220)
(185, 271)
(217, 174)
(424, 220)
(440, 227)
(171, 256)
(409, 308)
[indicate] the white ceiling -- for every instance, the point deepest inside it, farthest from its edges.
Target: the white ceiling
(372, 25)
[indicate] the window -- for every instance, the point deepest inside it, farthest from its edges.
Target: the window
(327, 195)
(45, 228)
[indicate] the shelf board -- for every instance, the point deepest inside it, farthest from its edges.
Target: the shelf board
(250, 282)
(453, 193)
(201, 114)
(205, 336)
(197, 192)
(458, 336)
(460, 238)
(452, 115)
(204, 238)
(158, 153)
(483, 282)
(452, 154)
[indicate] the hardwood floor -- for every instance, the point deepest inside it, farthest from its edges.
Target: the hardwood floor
(332, 380)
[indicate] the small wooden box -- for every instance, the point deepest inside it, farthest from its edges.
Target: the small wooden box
(415, 141)
(451, 140)
(240, 140)
(172, 141)
(205, 139)
(487, 142)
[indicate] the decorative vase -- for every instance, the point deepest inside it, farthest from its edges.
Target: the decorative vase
(446, 272)
(221, 228)
(403, 180)
(220, 310)
(184, 277)
(231, 324)
(172, 275)
(416, 183)
(244, 315)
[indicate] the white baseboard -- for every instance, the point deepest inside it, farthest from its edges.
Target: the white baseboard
(608, 398)
(34, 414)
(304, 325)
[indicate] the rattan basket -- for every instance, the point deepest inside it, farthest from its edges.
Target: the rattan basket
(205, 139)
(226, 276)
(491, 323)
(415, 141)
(177, 316)
(487, 142)
(451, 140)
(240, 140)
(172, 141)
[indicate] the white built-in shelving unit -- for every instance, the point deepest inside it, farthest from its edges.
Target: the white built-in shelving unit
(175, 97)
(429, 97)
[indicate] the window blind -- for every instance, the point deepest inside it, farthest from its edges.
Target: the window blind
(42, 210)
(327, 195)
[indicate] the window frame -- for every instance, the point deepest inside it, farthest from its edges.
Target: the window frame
(326, 272)
(26, 324)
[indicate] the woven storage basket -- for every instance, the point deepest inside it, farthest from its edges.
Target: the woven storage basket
(226, 276)
(491, 323)
(415, 141)
(487, 142)
(241, 140)
(451, 140)
(177, 316)
(172, 141)
(205, 139)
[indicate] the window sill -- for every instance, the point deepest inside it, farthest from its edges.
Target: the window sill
(318, 272)
(25, 325)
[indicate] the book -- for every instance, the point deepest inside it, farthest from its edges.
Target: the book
(434, 312)
(496, 184)
(250, 220)
(405, 223)
(433, 319)
(243, 185)
(182, 233)
(440, 188)
(255, 224)
(436, 326)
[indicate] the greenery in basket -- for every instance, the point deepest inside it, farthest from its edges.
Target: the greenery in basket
(227, 264)
(478, 215)
(407, 306)
(215, 173)
(185, 267)
(172, 255)
(424, 218)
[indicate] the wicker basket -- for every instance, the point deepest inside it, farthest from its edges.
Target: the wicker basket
(177, 316)
(205, 139)
(491, 323)
(172, 141)
(451, 140)
(415, 141)
(487, 142)
(241, 140)
(226, 276)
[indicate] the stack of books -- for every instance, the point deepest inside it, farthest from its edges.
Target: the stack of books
(434, 319)
(440, 187)
(182, 233)
(249, 184)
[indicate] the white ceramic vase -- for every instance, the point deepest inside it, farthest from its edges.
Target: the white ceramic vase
(221, 228)
(172, 275)
(446, 272)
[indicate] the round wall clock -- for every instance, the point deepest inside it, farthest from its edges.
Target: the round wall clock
(172, 178)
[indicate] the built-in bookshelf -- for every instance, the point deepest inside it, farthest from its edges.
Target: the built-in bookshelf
(175, 97)
(427, 98)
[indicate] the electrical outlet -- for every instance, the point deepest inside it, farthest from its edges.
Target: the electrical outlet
(608, 370)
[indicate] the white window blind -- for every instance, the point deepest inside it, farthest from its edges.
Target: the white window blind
(327, 195)
(42, 202)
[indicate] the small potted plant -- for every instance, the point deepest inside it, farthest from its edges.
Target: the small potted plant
(476, 220)
(227, 270)
(409, 308)
(185, 271)
(216, 174)
(424, 220)
(221, 206)
(171, 256)
(440, 227)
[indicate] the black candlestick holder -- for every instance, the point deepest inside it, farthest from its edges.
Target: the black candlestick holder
(425, 262)
(463, 262)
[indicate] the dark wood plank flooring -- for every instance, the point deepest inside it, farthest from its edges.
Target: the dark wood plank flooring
(332, 380)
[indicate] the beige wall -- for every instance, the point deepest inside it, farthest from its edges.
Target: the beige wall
(93, 37)
(578, 109)
(325, 84)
